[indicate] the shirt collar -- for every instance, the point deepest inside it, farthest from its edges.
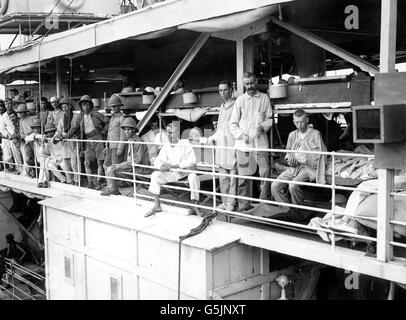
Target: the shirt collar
(247, 96)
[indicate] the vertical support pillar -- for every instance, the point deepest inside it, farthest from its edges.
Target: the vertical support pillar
(245, 60)
(385, 214)
(264, 260)
(388, 35)
(386, 176)
(58, 79)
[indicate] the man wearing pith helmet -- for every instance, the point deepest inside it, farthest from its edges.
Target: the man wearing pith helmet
(137, 154)
(114, 150)
(93, 126)
(69, 128)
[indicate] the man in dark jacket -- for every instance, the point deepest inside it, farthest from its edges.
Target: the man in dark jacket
(137, 154)
(68, 127)
(93, 126)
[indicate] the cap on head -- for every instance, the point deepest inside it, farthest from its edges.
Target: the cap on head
(86, 98)
(65, 100)
(129, 123)
(52, 99)
(115, 101)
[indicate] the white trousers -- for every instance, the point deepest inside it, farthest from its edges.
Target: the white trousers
(52, 163)
(159, 178)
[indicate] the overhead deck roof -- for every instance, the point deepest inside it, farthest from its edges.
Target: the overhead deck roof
(157, 20)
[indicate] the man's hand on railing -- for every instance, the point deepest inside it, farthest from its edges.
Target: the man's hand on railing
(165, 167)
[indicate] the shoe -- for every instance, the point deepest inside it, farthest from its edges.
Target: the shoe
(45, 184)
(152, 212)
(40, 185)
(97, 186)
(222, 206)
(91, 185)
(71, 183)
(108, 192)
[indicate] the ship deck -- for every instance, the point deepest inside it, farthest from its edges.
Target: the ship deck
(174, 221)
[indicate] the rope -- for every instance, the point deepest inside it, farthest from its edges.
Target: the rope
(195, 231)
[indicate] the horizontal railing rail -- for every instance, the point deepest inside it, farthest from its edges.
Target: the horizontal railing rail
(210, 169)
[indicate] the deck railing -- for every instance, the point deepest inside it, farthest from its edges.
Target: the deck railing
(211, 169)
(18, 277)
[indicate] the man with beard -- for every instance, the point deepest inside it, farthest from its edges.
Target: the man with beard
(250, 121)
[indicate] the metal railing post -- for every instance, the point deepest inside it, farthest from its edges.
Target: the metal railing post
(214, 178)
(78, 167)
(333, 198)
(133, 167)
(12, 277)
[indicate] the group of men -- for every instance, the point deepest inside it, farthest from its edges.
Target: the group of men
(243, 125)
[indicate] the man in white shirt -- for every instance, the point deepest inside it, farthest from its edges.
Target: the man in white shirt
(179, 155)
(5, 143)
(249, 123)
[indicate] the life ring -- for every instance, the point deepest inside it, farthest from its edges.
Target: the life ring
(3, 6)
(76, 4)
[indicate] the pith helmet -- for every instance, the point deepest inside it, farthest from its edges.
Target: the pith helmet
(129, 123)
(87, 98)
(22, 108)
(36, 123)
(115, 101)
(127, 90)
(49, 127)
(65, 100)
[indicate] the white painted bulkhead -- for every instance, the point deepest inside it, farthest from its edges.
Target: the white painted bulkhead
(95, 251)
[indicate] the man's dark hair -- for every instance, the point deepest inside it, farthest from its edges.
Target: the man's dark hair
(227, 82)
(299, 113)
(247, 75)
(15, 91)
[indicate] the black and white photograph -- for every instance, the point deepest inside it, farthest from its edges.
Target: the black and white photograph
(203, 154)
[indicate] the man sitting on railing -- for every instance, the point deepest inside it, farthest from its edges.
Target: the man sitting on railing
(303, 166)
(137, 154)
(180, 155)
